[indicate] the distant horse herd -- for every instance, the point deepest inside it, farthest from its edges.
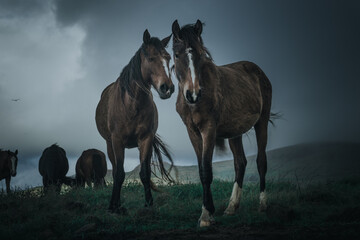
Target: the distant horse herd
(214, 102)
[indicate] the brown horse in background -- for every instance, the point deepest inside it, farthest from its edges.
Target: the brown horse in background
(217, 103)
(53, 166)
(8, 164)
(126, 115)
(91, 167)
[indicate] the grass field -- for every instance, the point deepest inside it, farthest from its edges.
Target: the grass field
(320, 210)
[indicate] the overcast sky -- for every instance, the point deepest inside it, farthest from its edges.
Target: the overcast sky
(56, 57)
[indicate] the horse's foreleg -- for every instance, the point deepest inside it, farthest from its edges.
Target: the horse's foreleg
(7, 181)
(206, 177)
(145, 147)
(115, 205)
(240, 162)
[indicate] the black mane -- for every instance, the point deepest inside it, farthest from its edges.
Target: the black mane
(188, 34)
(132, 71)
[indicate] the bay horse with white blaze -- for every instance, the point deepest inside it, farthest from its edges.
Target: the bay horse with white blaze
(8, 164)
(217, 103)
(126, 116)
(91, 167)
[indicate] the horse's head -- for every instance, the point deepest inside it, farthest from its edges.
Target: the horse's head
(12, 162)
(188, 50)
(155, 64)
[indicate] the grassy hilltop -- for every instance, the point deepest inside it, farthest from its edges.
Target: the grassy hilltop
(306, 163)
(307, 199)
(320, 210)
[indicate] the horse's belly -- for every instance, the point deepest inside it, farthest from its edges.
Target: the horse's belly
(236, 126)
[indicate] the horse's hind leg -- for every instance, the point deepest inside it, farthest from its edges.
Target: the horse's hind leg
(261, 128)
(111, 155)
(145, 147)
(240, 162)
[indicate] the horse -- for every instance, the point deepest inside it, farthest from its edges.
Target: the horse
(217, 103)
(53, 167)
(127, 117)
(8, 165)
(91, 167)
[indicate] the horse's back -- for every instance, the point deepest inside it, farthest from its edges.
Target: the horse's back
(90, 161)
(53, 163)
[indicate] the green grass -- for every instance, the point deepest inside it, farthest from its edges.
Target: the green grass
(27, 214)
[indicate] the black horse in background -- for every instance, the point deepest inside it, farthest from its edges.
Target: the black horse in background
(8, 164)
(53, 167)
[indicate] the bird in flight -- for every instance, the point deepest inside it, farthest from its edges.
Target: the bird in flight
(15, 100)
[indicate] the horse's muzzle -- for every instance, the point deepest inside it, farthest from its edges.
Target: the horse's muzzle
(165, 91)
(192, 98)
(13, 174)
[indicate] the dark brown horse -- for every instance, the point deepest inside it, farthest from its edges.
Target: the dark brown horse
(126, 115)
(53, 166)
(91, 167)
(8, 164)
(217, 103)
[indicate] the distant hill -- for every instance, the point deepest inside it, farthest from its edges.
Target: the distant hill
(303, 162)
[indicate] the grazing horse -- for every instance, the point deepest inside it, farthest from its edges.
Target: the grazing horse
(218, 103)
(126, 116)
(53, 166)
(8, 164)
(91, 167)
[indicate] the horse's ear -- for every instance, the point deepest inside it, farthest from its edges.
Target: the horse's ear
(198, 27)
(16, 152)
(165, 41)
(146, 37)
(176, 29)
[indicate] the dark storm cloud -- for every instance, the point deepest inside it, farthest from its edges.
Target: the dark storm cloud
(60, 58)
(21, 8)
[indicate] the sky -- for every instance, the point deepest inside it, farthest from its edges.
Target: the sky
(56, 57)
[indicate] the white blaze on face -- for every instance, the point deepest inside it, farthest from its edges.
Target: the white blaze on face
(191, 67)
(166, 68)
(13, 159)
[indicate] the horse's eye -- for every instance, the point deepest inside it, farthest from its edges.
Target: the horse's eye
(176, 55)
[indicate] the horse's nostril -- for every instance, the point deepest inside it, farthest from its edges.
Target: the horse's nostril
(188, 96)
(164, 88)
(199, 94)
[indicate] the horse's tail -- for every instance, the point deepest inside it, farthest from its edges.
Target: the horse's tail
(160, 149)
(97, 167)
(274, 116)
(220, 146)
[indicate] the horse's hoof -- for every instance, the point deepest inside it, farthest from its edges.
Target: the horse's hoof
(206, 219)
(118, 210)
(203, 223)
(262, 207)
(229, 212)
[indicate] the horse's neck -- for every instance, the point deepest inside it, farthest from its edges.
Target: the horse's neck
(209, 75)
(139, 98)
